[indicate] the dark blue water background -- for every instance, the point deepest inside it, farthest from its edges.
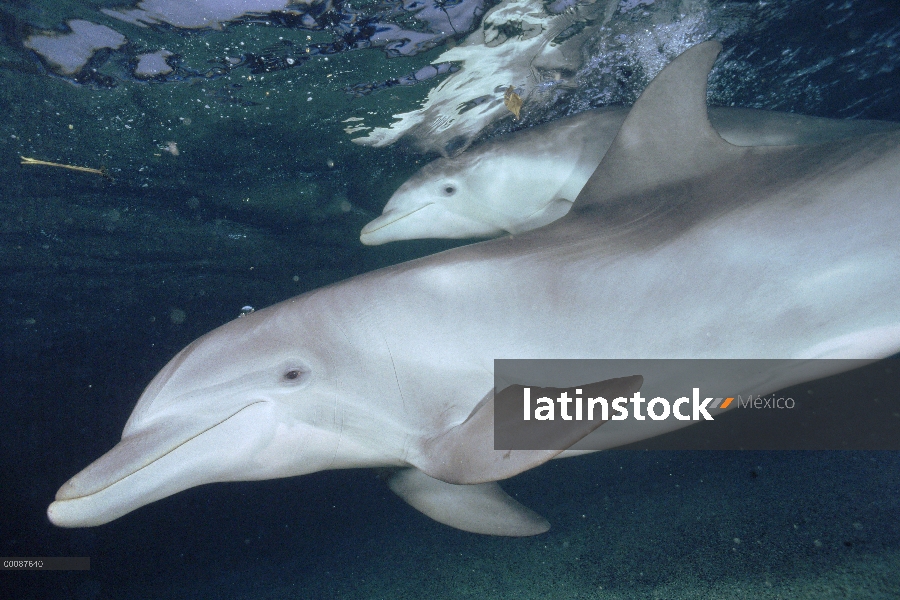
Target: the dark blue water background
(96, 277)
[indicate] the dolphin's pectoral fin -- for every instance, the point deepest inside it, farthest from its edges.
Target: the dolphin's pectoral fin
(482, 508)
(455, 482)
(552, 211)
(465, 454)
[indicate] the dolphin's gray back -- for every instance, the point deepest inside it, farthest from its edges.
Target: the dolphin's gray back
(679, 247)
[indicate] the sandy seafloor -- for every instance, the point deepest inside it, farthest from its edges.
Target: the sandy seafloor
(103, 282)
(626, 524)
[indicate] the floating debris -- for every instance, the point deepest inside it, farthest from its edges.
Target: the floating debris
(513, 101)
(33, 161)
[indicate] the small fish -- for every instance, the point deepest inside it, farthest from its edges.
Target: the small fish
(513, 101)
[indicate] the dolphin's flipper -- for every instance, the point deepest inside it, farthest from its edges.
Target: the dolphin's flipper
(666, 137)
(550, 212)
(465, 454)
(482, 508)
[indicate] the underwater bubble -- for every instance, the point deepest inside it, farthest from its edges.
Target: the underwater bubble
(177, 316)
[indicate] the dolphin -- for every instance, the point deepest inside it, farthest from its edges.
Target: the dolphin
(680, 245)
(527, 179)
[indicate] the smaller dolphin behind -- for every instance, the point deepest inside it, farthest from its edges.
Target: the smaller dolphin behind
(527, 179)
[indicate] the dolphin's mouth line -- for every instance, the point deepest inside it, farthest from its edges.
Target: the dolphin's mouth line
(400, 218)
(173, 449)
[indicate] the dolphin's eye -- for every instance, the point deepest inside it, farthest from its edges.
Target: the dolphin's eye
(294, 375)
(449, 189)
(293, 372)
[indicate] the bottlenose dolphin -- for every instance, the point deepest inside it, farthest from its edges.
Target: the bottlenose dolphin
(527, 179)
(680, 245)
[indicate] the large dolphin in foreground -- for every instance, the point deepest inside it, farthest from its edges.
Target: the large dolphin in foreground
(525, 180)
(680, 245)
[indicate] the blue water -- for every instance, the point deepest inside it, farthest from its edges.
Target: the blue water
(103, 281)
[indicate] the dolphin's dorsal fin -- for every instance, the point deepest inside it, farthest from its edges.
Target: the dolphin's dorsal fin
(666, 137)
(465, 454)
(482, 508)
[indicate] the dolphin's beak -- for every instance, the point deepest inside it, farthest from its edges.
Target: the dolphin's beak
(372, 234)
(436, 222)
(144, 467)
